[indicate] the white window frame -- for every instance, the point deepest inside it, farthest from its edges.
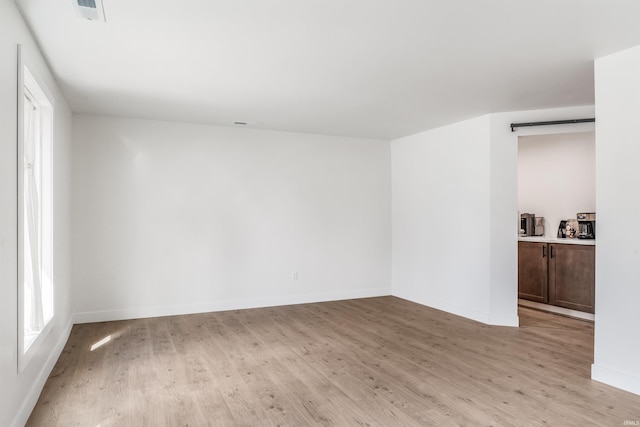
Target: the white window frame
(29, 82)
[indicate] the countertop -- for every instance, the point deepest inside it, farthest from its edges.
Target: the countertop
(568, 241)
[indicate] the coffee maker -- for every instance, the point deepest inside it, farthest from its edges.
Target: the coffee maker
(527, 224)
(586, 225)
(531, 225)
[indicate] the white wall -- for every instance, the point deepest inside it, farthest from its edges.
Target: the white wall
(557, 176)
(440, 211)
(20, 391)
(177, 218)
(617, 336)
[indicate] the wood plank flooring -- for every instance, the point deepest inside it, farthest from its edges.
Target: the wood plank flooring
(377, 362)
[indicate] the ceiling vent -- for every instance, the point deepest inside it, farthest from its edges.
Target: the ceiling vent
(90, 9)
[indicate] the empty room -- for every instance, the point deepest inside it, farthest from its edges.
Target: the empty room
(264, 213)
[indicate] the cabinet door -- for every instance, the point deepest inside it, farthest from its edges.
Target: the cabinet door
(532, 271)
(572, 276)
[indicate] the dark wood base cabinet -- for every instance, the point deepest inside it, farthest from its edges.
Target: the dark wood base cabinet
(558, 274)
(533, 271)
(572, 277)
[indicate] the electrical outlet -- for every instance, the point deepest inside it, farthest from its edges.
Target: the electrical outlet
(294, 275)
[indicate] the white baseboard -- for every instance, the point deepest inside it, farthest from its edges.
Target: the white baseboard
(615, 378)
(503, 320)
(558, 310)
(469, 313)
(173, 310)
(36, 388)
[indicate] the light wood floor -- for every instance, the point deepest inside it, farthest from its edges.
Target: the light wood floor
(379, 361)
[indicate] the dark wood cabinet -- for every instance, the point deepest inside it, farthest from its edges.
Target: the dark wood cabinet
(558, 274)
(572, 276)
(532, 271)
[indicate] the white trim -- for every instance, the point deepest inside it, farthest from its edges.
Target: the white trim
(31, 398)
(24, 357)
(20, 213)
(213, 306)
(468, 312)
(553, 130)
(503, 320)
(558, 310)
(39, 90)
(621, 380)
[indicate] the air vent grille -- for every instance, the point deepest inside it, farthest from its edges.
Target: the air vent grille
(87, 3)
(93, 10)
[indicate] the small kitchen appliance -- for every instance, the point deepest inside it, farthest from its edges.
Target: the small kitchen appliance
(527, 224)
(530, 225)
(538, 227)
(586, 225)
(562, 229)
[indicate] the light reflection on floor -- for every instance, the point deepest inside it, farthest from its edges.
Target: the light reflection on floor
(100, 343)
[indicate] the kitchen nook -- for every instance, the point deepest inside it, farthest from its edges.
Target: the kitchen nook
(557, 233)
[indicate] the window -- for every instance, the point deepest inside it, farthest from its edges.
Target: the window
(35, 234)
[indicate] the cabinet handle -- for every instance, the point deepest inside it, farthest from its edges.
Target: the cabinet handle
(544, 252)
(551, 254)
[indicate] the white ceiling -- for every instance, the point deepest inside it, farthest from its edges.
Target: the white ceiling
(369, 68)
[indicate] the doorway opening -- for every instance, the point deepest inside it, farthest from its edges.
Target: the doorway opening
(556, 181)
